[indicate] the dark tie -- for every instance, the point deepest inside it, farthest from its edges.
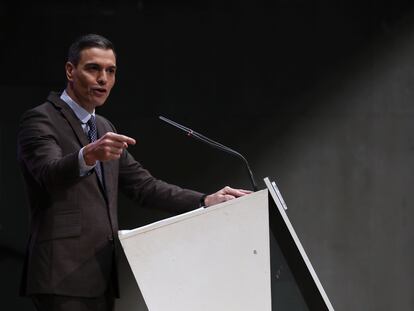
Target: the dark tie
(93, 135)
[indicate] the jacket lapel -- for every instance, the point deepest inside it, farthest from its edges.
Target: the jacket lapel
(76, 126)
(70, 116)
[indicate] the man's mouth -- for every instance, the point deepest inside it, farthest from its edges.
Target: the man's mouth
(99, 91)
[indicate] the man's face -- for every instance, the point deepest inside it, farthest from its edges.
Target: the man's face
(91, 81)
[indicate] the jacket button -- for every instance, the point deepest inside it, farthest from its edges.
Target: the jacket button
(110, 238)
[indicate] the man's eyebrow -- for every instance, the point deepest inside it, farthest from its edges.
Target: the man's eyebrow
(97, 65)
(92, 65)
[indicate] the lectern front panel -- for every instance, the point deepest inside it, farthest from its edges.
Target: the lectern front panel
(216, 258)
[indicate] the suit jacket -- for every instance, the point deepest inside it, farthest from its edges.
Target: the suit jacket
(73, 230)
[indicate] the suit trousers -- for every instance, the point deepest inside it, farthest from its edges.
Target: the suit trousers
(48, 302)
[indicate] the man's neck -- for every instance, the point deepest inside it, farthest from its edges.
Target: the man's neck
(82, 114)
(72, 95)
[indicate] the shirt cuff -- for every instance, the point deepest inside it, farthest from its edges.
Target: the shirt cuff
(84, 169)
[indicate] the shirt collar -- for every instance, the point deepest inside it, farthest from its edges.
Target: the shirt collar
(79, 111)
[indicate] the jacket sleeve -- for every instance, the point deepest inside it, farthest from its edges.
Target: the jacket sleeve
(40, 154)
(139, 185)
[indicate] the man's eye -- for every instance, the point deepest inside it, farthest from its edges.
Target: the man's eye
(111, 70)
(93, 68)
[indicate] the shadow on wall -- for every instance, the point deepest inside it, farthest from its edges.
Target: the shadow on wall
(345, 167)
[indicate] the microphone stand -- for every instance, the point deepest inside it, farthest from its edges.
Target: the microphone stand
(213, 144)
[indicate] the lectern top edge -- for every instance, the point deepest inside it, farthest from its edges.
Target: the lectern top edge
(125, 234)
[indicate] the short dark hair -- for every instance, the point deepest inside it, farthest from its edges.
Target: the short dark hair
(86, 42)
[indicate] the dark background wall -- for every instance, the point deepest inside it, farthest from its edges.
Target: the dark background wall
(317, 94)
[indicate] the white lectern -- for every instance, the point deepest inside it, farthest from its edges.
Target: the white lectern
(208, 259)
(218, 259)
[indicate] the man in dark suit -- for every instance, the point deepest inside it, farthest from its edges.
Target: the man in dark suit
(73, 162)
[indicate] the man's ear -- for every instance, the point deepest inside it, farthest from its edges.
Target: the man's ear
(69, 67)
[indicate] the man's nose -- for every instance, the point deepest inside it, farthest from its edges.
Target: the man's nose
(102, 78)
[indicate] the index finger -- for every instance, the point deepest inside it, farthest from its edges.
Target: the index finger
(236, 192)
(245, 191)
(124, 139)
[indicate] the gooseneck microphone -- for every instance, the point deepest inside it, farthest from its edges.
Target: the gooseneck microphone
(213, 144)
